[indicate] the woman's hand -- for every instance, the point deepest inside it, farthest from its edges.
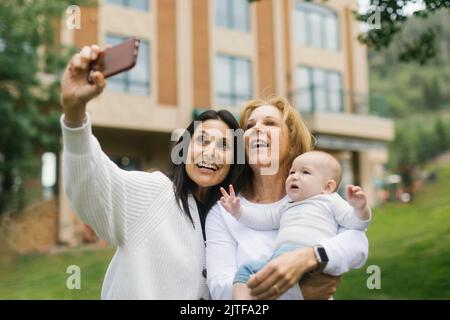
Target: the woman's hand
(282, 273)
(319, 287)
(75, 89)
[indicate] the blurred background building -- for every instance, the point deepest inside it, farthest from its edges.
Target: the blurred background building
(200, 54)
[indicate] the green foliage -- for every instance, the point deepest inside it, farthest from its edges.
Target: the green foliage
(418, 140)
(408, 88)
(420, 46)
(417, 97)
(442, 135)
(29, 109)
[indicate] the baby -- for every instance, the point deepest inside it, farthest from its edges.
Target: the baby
(315, 212)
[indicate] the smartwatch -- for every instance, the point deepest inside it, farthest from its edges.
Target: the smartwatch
(322, 258)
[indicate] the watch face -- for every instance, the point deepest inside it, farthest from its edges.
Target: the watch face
(323, 254)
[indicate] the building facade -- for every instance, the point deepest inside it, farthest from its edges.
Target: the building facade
(201, 54)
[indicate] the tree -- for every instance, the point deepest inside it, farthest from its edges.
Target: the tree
(29, 107)
(392, 17)
(443, 142)
(408, 88)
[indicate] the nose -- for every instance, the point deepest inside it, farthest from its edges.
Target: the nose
(260, 131)
(257, 128)
(209, 152)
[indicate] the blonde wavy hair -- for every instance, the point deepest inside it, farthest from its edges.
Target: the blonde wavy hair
(300, 138)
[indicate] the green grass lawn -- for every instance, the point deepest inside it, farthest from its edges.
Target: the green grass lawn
(44, 276)
(409, 242)
(411, 245)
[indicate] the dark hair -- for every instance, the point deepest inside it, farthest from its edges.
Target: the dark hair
(183, 185)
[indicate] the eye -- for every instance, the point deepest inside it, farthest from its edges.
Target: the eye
(306, 172)
(291, 172)
(224, 145)
(249, 126)
(271, 122)
(202, 140)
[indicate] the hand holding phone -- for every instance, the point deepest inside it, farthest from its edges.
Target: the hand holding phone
(115, 60)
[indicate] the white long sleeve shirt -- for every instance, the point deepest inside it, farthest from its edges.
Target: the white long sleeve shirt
(159, 253)
(231, 244)
(305, 223)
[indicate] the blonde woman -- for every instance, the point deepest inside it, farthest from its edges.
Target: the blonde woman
(274, 135)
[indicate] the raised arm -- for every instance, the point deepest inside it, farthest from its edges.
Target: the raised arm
(103, 195)
(356, 216)
(261, 219)
(350, 248)
(258, 219)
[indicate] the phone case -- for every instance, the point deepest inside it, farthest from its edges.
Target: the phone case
(117, 59)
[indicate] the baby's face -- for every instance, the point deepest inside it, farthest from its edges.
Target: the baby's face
(306, 177)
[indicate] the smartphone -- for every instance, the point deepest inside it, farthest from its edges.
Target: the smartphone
(117, 59)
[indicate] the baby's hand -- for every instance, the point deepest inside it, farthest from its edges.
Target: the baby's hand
(358, 200)
(230, 202)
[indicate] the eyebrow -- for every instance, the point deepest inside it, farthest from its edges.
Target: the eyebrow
(303, 166)
(265, 117)
(224, 138)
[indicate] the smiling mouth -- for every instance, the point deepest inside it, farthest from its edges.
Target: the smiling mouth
(257, 144)
(208, 166)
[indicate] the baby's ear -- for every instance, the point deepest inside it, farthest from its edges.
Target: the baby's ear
(330, 186)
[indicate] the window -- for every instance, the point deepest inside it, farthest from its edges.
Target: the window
(136, 4)
(319, 86)
(316, 26)
(335, 92)
(233, 80)
(319, 90)
(48, 174)
(304, 92)
(137, 80)
(233, 14)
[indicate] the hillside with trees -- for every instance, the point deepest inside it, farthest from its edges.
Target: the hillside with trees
(416, 96)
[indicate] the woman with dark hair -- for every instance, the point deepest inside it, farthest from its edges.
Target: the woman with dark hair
(180, 174)
(155, 221)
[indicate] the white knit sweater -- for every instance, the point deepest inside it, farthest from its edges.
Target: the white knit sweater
(159, 253)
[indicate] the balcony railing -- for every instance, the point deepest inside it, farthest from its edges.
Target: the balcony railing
(319, 99)
(368, 104)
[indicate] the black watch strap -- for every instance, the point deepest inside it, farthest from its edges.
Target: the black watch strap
(322, 258)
